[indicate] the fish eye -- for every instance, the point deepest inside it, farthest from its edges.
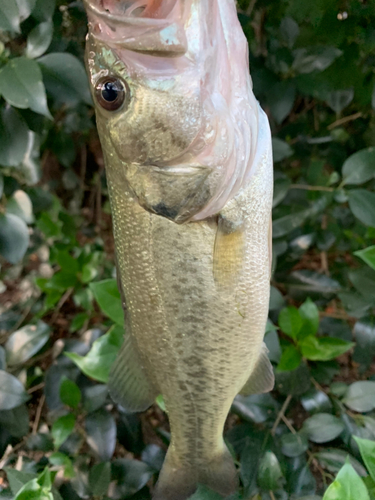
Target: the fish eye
(111, 92)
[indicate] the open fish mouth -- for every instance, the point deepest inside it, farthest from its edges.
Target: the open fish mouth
(154, 27)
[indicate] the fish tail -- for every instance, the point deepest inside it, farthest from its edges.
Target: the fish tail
(179, 482)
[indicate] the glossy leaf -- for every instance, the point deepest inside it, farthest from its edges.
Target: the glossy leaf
(130, 476)
(364, 352)
(316, 58)
(310, 315)
(294, 382)
(362, 204)
(316, 401)
(347, 485)
(108, 297)
(21, 85)
(290, 359)
(98, 362)
(39, 39)
(293, 445)
(101, 434)
(14, 237)
(367, 255)
(281, 149)
(322, 427)
(360, 396)
(9, 16)
(15, 421)
(62, 428)
(20, 205)
(359, 167)
(99, 478)
(65, 78)
(323, 348)
(270, 475)
(25, 342)
(12, 392)
(367, 449)
(70, 393)
(333, 459)
(13, 137)
(290, 321)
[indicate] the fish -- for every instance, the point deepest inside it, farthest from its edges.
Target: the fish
(188, 158)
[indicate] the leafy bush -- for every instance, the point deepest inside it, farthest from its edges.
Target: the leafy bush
(61, 321)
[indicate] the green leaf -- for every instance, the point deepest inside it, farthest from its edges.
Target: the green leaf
(99, 478)
(14, 137)
(130, 476)
(290, 321)
(310, 315)
(62, 428)
(362, 204)
(14, 238)
(12, 392)
(21, 85)
(270, 476)
(108, 297)
(333, 459)
(20, 205)
(364, 281)
(43, 10)
(347, 486)
(322, 427)
(25, 342)
(338, 100)
(287, 223)
(364, 333)
(39, 39)
(316, 401)
(290, 359)
(359, 167)
(367, 449)
(65, 79)
(101, 433)
(360, 396)
(293, 445)
(289, 30)
(9, 16)
(309, 59)
(294, 382)
(15, 421)
(17, 479)
(98, 362)
(60, 459)
(323, 348)
(70, 393)
(367, 255)
(281, 149)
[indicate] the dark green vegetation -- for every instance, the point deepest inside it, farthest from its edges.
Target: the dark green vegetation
(312, 65)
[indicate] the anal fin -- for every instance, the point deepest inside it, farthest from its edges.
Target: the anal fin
(128, 384)
(262, 378)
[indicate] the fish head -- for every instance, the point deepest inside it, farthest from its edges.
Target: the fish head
(175, 111)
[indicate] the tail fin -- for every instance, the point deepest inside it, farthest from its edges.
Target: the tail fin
(179, 482)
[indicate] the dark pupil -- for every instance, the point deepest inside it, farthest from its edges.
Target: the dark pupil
(110, 91)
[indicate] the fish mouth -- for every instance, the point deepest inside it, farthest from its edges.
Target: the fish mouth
(154, 27)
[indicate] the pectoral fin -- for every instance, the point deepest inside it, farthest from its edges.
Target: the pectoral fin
(262, 378)
(128, 384)
(229, 250)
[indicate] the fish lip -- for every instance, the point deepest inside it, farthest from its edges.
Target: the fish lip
(124, 20)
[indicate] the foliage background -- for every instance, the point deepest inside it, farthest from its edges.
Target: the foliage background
(61, 437)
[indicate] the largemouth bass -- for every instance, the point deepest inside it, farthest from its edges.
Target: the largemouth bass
(188, 160)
